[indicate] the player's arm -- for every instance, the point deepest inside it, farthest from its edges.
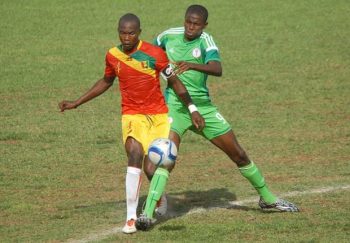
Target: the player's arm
(179, 88)
(211, 68)
(97, 89)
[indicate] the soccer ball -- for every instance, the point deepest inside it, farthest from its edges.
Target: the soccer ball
(162, 151)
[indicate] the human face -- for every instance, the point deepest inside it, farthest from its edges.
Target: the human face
(129, 35)
(194, 25)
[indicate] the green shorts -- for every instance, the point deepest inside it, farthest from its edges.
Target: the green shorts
(215, 123)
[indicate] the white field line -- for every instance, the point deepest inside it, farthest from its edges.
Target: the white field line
(107, 233)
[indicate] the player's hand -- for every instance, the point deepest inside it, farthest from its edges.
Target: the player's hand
(67, 105)
(182, 66)
(197, 120)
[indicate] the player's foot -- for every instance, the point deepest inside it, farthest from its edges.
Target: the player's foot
(280, 204)
(144, 223)
(129, 227)
(162, 206)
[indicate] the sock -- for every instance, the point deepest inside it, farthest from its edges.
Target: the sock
(132, 186)
(156, 190)
(254, 176)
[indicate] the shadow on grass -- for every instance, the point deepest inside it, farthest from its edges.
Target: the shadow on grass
(179, 204)
(190, 202)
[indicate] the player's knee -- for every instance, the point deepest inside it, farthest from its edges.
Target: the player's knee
(135, 159)
(241, 158)
(169, 167)
(149, 172)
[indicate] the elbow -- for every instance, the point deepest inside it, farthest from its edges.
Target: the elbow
(218, 73)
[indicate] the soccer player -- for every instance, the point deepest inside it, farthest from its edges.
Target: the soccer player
(196, 56)
(137, 64)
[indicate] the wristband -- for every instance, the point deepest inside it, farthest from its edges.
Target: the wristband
(192, 108)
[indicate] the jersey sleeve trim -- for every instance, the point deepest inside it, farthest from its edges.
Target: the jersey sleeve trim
(212, 55)
(211, 48)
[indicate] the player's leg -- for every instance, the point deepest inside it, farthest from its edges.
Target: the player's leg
(219, 132)
(149, 168)
(175, 137)
(132, 133)
(157, 187)
(134, 152)
(229, 144)
(161, 206)
(159, 180)
(180, 121)
(159, 128)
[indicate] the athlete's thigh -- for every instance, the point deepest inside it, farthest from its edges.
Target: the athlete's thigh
(228, 143)
(215, 123)
(159, 127)
(135, 126)
(180, 119)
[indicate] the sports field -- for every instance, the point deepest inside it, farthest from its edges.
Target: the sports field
(285, 89)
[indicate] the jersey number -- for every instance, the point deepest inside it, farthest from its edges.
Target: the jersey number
(220, 117)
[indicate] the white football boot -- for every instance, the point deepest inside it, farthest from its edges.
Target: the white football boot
(280, 205)
(129, 227)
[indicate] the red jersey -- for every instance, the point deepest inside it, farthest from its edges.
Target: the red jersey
(138, 74)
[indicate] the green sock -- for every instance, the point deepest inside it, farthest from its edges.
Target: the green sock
(156, 190)
(252, 173)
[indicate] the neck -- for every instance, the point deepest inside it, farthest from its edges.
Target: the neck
(187, 39)
(134, 48)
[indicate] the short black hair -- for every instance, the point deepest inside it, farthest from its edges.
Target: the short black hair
(129, 17)
(198, 9)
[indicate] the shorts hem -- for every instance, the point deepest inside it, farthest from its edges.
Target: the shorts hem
(219, 134)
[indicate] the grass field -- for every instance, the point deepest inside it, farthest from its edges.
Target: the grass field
(285, 90)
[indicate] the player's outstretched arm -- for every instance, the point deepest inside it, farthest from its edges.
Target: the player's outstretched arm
(180, 89)
(99, 87)
(211, 68)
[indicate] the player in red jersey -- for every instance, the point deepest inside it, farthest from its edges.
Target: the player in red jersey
(137, 64)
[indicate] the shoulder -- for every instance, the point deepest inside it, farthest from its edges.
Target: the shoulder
(208, 41)
(152, 50)
(172, 32)
(149, 47)
(112, 51)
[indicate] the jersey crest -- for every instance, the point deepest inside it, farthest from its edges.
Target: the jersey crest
(196, 52)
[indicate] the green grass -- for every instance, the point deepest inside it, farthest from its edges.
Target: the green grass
(285, 90)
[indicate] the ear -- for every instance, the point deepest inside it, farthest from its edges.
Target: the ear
(205, 25)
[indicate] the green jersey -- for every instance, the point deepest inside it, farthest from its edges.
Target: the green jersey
(200, 50)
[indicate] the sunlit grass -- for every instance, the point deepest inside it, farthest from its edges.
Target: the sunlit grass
(285, 91)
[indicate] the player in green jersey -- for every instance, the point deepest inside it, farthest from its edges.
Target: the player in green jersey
(196, 56)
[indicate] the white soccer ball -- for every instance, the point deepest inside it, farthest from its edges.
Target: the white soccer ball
(162, 151)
